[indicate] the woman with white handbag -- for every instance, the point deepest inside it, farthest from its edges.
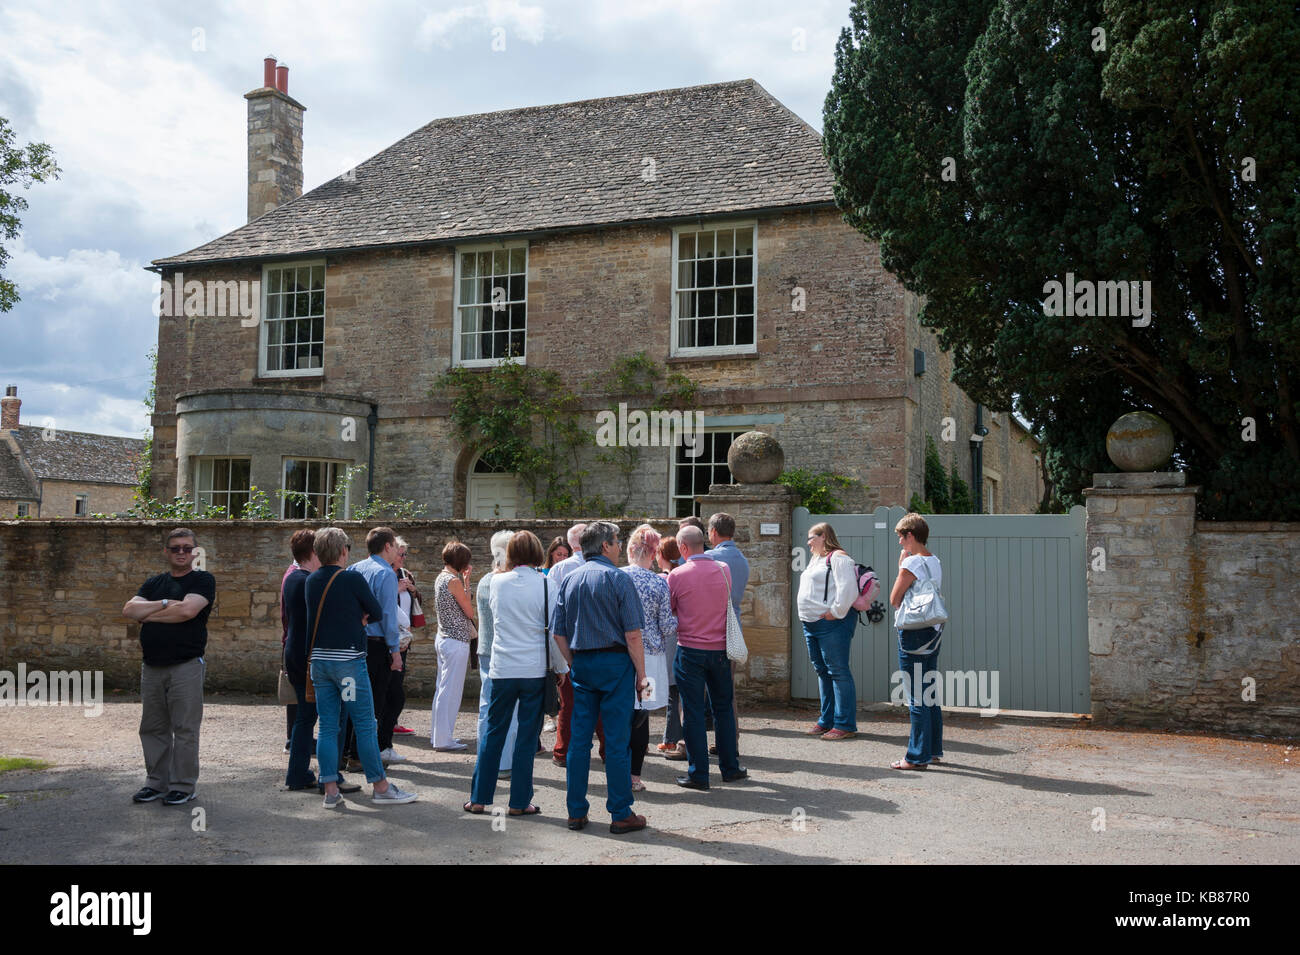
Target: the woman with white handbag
(919, 616)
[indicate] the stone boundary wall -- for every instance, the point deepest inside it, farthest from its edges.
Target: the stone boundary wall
(63, 584)
(1192, 624)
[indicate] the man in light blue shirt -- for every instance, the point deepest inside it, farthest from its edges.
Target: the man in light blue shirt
(722, 527)
(382, 653)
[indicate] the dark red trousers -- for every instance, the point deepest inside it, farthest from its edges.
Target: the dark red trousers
(564, 720)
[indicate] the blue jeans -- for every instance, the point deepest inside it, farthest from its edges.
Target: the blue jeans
(828, 648)
(484, 698)
(698, 671)
(604, 685)
(328, 677)
(925, 740)
(509, 696)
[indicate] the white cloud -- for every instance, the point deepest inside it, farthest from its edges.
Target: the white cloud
(525, 21)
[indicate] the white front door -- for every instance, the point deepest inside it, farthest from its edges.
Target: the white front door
(491, 496)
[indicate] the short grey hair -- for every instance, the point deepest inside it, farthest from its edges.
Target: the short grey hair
(596, 536)
(330, 543)
(575, 536)
(692, 537)
(500, 540)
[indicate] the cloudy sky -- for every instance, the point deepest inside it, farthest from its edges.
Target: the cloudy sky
(143, 106)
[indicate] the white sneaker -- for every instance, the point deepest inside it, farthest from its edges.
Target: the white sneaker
(394, 795)
(548, 726)
(333, 801)
(455, 747)
(391, 755)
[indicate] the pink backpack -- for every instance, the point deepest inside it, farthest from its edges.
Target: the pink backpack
(868, 585)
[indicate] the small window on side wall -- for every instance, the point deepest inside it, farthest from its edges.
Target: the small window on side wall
(81, 508)
(24, 510)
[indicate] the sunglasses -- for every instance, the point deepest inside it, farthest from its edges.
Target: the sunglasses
(182, 549)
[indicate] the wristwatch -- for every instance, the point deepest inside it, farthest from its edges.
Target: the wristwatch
(164, 606)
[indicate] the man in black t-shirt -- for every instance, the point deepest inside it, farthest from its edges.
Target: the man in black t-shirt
(172, 609)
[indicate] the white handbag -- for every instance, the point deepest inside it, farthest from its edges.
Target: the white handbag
(922, 605)
(737, 652)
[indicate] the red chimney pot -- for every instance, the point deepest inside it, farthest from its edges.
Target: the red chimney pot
(268, 72)
(282, 79)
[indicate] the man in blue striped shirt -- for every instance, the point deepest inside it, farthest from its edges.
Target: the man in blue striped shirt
(383, 655)
(596, 623)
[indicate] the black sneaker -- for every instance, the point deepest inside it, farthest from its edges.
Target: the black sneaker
(146, 794)
(178, 798)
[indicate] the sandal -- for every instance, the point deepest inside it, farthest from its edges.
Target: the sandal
(530, 811)
(816, 730)
(904, 764)
(837, 735)
(638, 786)
(469, 807)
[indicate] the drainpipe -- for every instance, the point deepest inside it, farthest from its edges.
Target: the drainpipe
(372, 420)
(977, 458)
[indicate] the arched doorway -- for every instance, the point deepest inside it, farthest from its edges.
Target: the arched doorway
(492, 491)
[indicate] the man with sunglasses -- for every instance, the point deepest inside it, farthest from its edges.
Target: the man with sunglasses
(172, 609)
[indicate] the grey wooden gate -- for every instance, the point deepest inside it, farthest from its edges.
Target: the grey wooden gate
(1015, 587)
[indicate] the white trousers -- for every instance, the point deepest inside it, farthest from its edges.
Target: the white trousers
(453, 660)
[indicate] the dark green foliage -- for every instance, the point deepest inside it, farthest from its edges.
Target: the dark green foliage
(1116, 165)
(936, 480)
(959, 496)
(918, 506)
(816, 490)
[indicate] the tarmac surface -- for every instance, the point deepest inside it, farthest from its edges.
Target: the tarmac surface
(1011, 791)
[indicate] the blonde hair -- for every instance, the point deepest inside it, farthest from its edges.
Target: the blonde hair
(330, 543)
(828, 535)
(643, 542)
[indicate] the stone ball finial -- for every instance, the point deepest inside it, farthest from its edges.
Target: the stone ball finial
(755, 458)
(1140, 441)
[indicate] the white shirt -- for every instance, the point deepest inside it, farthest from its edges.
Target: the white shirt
(560, 570)
(843, 588)
(520, 649)
(918, 565)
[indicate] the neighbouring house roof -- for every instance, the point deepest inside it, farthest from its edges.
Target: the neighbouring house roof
(79, 456)
(13, 480)
(700, 151)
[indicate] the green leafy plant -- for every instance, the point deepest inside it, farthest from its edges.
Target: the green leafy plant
(919, 505)
(960, 500)
(936, 480)
(817, 490)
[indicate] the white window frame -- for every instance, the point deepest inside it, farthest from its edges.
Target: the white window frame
(504, 245)
(341, 468)
(81, 505)
(24, 509)
(711, 350)
(673, 497)
(198, 488)
(264, 322)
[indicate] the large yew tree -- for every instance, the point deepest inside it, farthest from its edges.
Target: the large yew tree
(992, 146)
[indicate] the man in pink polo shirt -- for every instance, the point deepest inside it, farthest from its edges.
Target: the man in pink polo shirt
(700, 593)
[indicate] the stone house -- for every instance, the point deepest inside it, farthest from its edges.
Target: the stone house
(696, 225)
(49, 472)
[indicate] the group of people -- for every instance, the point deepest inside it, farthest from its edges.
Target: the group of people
(563, 631)
(827, 589)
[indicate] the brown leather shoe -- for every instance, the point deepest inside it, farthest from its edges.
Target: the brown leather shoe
(631, 824)
(577, 824)
(560, 760)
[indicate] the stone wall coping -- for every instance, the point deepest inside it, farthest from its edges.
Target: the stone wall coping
(757, 491)
(1246, 527)
(1136, 479)
(224, 399)
(515, 523)
(1139, 491)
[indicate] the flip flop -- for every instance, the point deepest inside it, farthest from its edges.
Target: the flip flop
(904, 764)
(530, 811)
(469, 807)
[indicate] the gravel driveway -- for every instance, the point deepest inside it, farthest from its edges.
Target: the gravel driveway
(1011, 792)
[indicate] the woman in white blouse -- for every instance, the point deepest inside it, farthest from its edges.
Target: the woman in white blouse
(522, 655)
(918, 650)
(827, 589)
(482, 597)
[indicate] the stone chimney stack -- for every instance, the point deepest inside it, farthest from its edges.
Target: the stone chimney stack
(9, 406)
(274, 142)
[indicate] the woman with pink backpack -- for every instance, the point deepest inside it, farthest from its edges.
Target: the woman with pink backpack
(828, 589)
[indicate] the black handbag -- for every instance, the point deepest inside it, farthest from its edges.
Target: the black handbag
(550, 690)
